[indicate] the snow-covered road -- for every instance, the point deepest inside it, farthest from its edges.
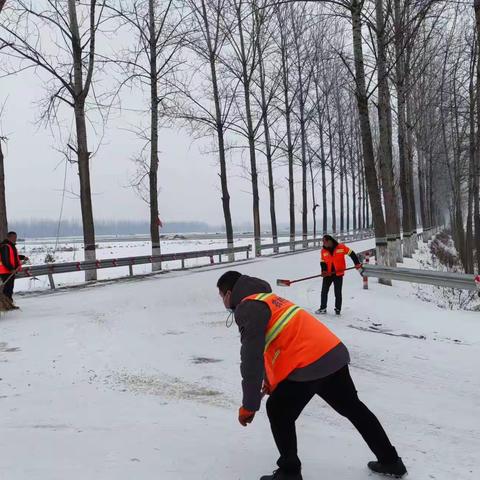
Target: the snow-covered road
(139, 380)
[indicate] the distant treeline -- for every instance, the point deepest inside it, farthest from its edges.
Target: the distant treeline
(72, 228)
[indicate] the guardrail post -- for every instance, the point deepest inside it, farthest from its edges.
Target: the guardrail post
(183, 264)
(50, 279)
(212, 261)
(220, 258)
(130, 270)
(365, 278)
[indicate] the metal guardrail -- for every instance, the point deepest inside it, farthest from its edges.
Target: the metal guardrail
(54, 268)
(427, 277)
(316, 242)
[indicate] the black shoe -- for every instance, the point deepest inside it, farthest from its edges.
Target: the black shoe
(281, 475)
(337, 311)
(396, 469)
(321, 311)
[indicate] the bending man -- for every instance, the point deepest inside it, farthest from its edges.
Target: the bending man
(299, 358)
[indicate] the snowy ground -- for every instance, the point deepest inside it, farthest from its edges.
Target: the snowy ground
(140, 380)
(71, 250)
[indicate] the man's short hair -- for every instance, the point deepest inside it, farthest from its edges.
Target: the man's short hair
(11, 233)
(329, 237)
(227, 281)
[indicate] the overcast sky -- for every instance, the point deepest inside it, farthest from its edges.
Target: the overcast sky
(188, 177)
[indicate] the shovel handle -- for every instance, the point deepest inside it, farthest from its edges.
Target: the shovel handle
(287, 283)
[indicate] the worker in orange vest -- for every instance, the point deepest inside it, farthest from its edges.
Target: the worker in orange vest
(10, 264)
(333, 267)
(290, 355)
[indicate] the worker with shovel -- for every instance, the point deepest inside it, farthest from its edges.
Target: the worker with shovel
(10, 264)
(333, 269)
(290, 355)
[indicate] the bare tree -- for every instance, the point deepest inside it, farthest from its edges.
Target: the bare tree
(476, 169)
(3, 202)
(300, 26)
(289, 96)
(241, 31)
(385, 147)
(68, 72)
(268, 91)
(149, 62)
(206, 39)
(371, 179)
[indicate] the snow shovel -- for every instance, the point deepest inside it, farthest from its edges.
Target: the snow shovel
(287, 283)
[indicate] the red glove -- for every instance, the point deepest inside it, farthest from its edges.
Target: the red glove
(245, 416)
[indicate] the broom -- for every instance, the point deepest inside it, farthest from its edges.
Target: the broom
(287, 283)
(5, 303)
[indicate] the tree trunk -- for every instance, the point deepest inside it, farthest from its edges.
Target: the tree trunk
(314, 200)
(303, 139)
(359, 175)
(476, 172)
(212, 54)
(251, 136)
(83, 154)
(347, 197)
(332, 170)
(402, 129)
(354, 185)
(421, 186)
(153, 172)
(268, 146)
(385, 147)
(469, 241)
(288, 121)
(342, 191)
(410, 155)
(3, 202)
(323, 161)
(366, 132)
(341, 155)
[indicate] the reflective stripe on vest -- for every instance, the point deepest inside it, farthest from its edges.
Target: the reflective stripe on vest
(280, 324)
(274, 331)
(293, 338)
(336, 259)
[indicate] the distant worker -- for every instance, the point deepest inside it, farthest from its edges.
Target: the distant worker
(295, 357)
(333, 267)
(10, 264)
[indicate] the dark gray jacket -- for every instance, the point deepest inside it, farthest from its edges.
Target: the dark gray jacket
(252, 318)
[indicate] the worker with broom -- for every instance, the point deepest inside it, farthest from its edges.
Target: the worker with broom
(291, 356)
(10, 264)
(333, 267)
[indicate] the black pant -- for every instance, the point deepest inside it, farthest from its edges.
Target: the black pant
(8, 287)
(338, 390)
(337, 284)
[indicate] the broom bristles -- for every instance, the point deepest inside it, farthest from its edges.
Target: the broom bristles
(5, 303)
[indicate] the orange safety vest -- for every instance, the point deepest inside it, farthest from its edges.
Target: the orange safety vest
(337, 259)
(3, 269)
(293, 339)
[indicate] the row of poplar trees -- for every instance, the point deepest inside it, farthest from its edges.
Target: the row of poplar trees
(370, 107)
